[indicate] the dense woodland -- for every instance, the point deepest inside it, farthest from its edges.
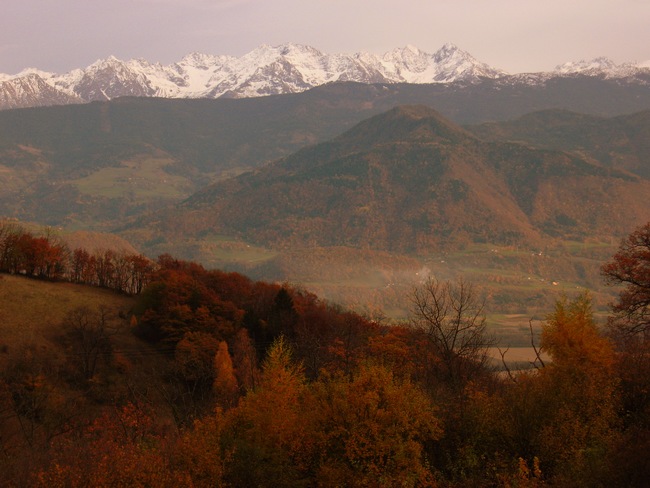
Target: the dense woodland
(244, 383)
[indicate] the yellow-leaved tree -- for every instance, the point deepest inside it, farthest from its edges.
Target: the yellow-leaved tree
(374, 426)
(580, 383)
(269, 430)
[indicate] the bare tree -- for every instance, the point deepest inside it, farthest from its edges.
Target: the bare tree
(89, 336)
(451, 316)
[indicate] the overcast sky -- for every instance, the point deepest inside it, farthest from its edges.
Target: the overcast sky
(514, 35)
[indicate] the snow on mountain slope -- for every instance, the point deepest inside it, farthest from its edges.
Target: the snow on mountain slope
(267, 70)
(31, 90)
(599, 67)
(288, 68)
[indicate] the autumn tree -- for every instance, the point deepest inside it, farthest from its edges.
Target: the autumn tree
(375, 427)
(395, 348)
(225, 383)
(141, 269)
(244, 358)
(36, 408)
(122, 447)
(79, 266)
(581, 377)
(200, 454)
(270, 434)
(187, 384)
(564, 414)
(194, 358)
(105, 268)
(10, 234)
(121, 272)
(630, 267)
(276, 318)
(182, 298)
(556, 424)
(88, 337)
(630, 328)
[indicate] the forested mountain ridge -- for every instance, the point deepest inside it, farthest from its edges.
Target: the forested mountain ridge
(620, 142)
(411, 181)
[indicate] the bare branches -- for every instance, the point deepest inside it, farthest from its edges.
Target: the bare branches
(89, 336)
(505, 364)
(451, 315)
(538, 353)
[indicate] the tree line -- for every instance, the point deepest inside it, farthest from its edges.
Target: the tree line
(47, 257)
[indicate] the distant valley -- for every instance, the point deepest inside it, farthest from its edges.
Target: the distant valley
(405, 194)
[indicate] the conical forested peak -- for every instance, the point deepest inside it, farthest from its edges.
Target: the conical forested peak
(405, 123)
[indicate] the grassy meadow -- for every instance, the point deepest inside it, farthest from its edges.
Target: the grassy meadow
(32, 311)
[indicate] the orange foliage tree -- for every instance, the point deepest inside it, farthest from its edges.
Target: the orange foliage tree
(565, 413)
(225, 383)
(374, 427)
(270, 434)
(630, 267)
(121, 448)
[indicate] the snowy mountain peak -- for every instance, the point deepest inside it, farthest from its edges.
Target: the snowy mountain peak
(600, 66)
(31, 90)
(455, 64)
(109, 61)
(267, 70)
(408, 50)
(201, 59)
(291, 47)
(34, 71)
(596, 64)
(449, 48)
(451, 51)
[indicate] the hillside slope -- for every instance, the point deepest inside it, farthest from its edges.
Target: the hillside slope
(621, 142)
(32, 313)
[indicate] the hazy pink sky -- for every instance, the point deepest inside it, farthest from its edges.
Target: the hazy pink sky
(514, 35)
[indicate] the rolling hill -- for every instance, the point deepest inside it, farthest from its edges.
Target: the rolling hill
(33, 312)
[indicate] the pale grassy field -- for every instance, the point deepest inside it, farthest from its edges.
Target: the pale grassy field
(140, 178)
(31, 311)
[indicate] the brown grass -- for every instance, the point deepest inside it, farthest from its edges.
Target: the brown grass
(32, 311)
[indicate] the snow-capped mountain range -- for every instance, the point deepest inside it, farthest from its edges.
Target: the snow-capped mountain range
(267, 70)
